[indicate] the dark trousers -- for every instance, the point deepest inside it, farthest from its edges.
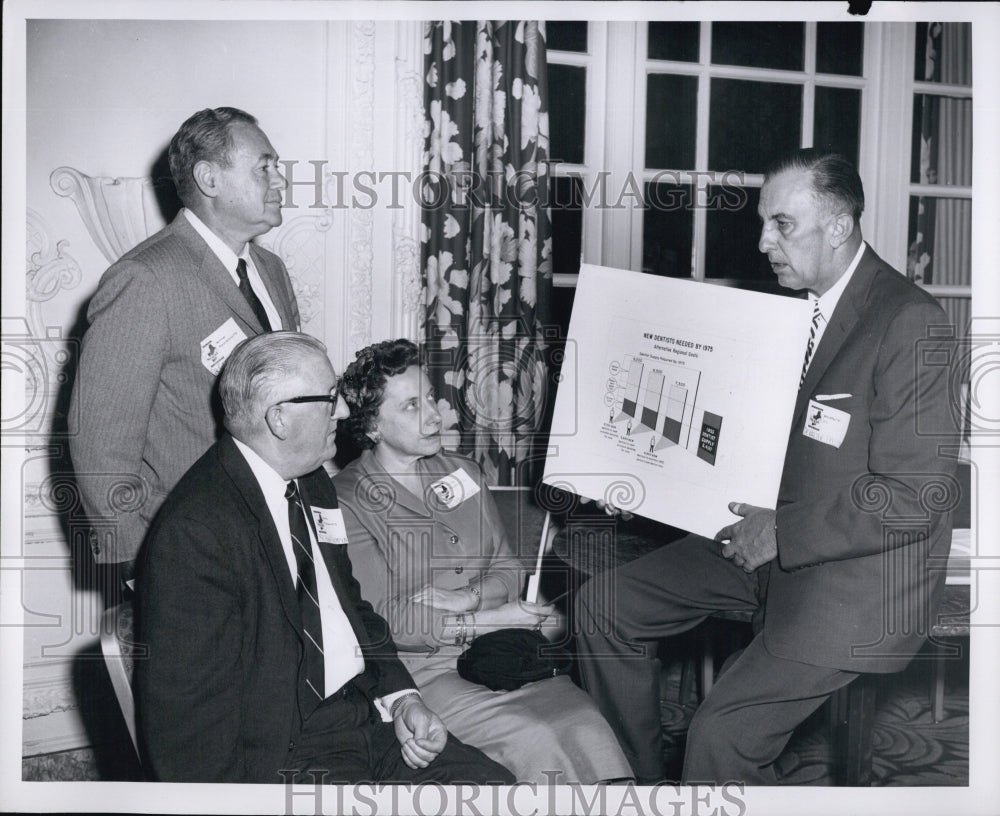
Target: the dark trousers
(745, 722)
(344, 741)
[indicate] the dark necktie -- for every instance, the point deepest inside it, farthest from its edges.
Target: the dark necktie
(250, 295)
(811, 347)
(305, 589)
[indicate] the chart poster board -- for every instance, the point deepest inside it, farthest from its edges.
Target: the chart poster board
(676, 396)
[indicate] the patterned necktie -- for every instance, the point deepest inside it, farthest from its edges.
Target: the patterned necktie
(251, 297)
(811, 347)
(305, 588)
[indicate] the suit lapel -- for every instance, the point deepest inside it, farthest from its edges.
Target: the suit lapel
(845, 317)
(270, 544)
(212, 273)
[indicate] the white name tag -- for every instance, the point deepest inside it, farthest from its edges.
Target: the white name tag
(216, 348)
(454, 488)
(825, 424)
(330, 527)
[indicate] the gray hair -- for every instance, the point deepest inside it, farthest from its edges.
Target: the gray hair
(254, 368)
(204, 136)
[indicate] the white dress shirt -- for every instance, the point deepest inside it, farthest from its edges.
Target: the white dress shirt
(228, 258)
(338, 634)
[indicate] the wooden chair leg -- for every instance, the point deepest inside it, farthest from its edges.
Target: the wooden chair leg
(852, 711)
(937, 693)
(707, 668)
(687, 680)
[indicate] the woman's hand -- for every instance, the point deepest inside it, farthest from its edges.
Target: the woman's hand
(514, 614)
(450, 600)
(611, 510)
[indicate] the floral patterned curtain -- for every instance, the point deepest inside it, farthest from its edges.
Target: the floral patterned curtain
(487, 238)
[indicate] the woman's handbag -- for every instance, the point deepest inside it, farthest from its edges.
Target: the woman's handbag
(508, 658)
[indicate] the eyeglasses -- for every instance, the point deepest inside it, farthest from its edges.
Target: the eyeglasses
(330, 398)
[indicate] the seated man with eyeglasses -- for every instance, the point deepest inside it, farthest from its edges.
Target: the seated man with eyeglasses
(264, 662)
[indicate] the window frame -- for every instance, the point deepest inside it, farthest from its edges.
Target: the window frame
(616, 124)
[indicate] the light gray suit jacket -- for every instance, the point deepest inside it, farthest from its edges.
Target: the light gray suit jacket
(144, 405)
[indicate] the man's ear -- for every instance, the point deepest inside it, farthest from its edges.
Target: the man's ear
(276, 422)
(205, 177)
(841, 228)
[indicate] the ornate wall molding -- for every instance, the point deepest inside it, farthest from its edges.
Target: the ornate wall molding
(118, 212)
(50, 270)
(35, 352)
(47, 696)
(409, 143)
(299, 242)
(361, 233)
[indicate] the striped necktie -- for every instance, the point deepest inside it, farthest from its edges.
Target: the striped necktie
(251, 297)
(305, 588)
(811, 347)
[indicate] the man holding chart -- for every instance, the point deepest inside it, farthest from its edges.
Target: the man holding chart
(837, 575)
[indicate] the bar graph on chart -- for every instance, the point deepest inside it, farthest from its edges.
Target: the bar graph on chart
(658, 398)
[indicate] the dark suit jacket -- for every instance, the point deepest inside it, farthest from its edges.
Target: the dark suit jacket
(142, 404)
(217, 698)
(856, 524)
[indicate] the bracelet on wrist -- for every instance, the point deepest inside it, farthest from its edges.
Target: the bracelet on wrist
(477, 592)
(399, 701)
(459, 630)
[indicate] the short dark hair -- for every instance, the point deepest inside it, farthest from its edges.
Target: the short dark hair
(363, 383)
(834, 177)
(204, 136)
(252, 371)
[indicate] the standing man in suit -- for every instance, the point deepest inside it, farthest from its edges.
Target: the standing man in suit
(162, 322)
(262, 656)
(838, 574)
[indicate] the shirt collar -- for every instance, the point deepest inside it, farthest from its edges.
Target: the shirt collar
(221, 251)
(829, 299)
(270, 481)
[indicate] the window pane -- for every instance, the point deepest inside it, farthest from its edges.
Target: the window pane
(941, 150)
(567, 112)
(671, 119)
(752, 123)
(838, 121)
(732, 233)
(566, 35)
(944, 53)
(759, 45)
(674, 41)
(840, 48)
(567, 224)
(940, 241)
(667, 230)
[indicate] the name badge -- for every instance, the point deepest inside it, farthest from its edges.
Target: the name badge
(455, 488)
(330, 527)
(825, 424)
(216, 348)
